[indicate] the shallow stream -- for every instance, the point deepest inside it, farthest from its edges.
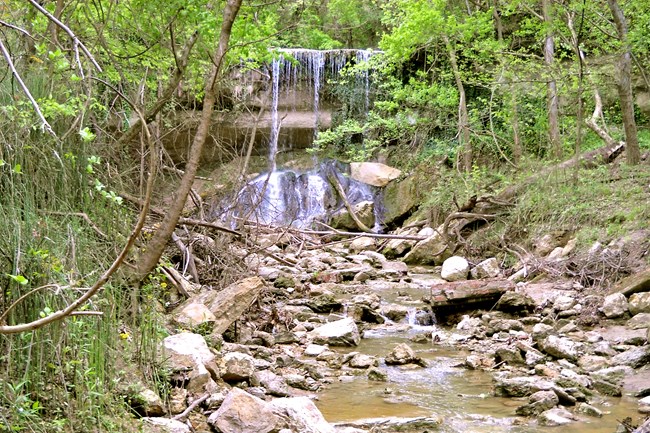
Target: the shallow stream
(461, 398)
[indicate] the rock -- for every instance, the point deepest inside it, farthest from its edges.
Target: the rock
(300, 415)
(539, 402)
(166, 425)
(364, 243)
(148, 403)
(377, 374)
(639, 321)
(639, 303)
(635, 357)
(509, 355)
(360, 360)
(520, 386)
(560, 347)
(400, 199)
(424, 252)
(236, 367)
(563, 302)
(274, 384)
(325, 303)
(314, 349)
(403, 354)
(177, 400)
(637, 282)
(342, 332)
(541, 331)
(455, 268)
(555, 417)
(613, 374)
(394, 312)
(503, 325)
(193, 315)
(241, 412)
(488, 268)
(515, 302)
(189, 352)
(364, 210)
(592, 362)
(228, 304)
(477, 362)
(614, 306)
(373, 173)
(589, 410)
(607, 388)
(395, 268)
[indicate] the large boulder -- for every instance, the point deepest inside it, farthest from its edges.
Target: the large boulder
(189, 352)
(241, 412)
(455, 268)
(301, 415)
(364, 211)
(228, 304)
(373, 173)
(194, 314)
(430, 251)
(342, 332)
(400, 199)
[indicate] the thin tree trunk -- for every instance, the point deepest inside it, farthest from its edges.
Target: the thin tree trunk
(156, 245)
(463, 116)
(552, 103)
(632, 151)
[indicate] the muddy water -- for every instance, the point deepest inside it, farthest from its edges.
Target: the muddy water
(444, 390)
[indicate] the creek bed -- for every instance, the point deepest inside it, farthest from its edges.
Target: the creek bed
(461, 398)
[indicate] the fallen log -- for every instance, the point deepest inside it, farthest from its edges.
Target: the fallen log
(459, 296)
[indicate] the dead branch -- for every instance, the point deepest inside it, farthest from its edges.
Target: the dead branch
(191, 407)
(189, 257)
(82, 215)
(44, 123)
(337, 185)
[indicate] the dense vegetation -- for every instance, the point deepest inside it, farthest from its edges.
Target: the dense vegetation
(486, 87)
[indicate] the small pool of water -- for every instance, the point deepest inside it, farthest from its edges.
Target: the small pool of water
(461, 397)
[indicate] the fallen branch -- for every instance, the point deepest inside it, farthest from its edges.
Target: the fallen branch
(82, 215)
(337, 185)
(191, 407)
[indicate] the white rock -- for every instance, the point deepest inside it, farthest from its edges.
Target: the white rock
(373, 173)
(455, 268)
(242, 412)
(237, 366)
(364, 243)
(342, 332)
(615, 305)
(167, 425)
(187, 351)
(301, 415)
(314, 349)
(194, 314)
(488, 268)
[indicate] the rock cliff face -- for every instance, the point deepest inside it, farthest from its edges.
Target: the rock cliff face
(285, 104)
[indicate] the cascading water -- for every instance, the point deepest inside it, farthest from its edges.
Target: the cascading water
(285, 197)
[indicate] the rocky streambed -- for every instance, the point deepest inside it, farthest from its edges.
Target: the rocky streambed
(343, 339)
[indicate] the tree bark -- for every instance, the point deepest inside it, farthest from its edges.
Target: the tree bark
(156, 245)
(552, 103)
(632, 151)
(463, 116)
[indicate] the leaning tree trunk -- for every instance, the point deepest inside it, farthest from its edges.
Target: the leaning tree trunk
(156, 245)
(552, 104)
(632, 151)
(463, 116)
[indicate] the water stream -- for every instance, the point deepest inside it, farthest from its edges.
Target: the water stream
(446, 390)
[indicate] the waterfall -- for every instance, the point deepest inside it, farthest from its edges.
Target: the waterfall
(275, 125)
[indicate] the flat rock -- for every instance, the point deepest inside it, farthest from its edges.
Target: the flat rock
(342, 332)
(467, 295)
(488, 268)
(166, 425)
(301, 415)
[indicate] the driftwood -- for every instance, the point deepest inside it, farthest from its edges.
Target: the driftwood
(460, 296)
(337, 185)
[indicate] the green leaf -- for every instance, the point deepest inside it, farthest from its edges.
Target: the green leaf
(19, 279)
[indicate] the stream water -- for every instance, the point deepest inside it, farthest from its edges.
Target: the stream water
(461, 398)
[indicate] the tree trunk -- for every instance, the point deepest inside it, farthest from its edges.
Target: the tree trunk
(517, 150)
(552, 103)
(463, 116)
(632, 151)
(156, 245)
